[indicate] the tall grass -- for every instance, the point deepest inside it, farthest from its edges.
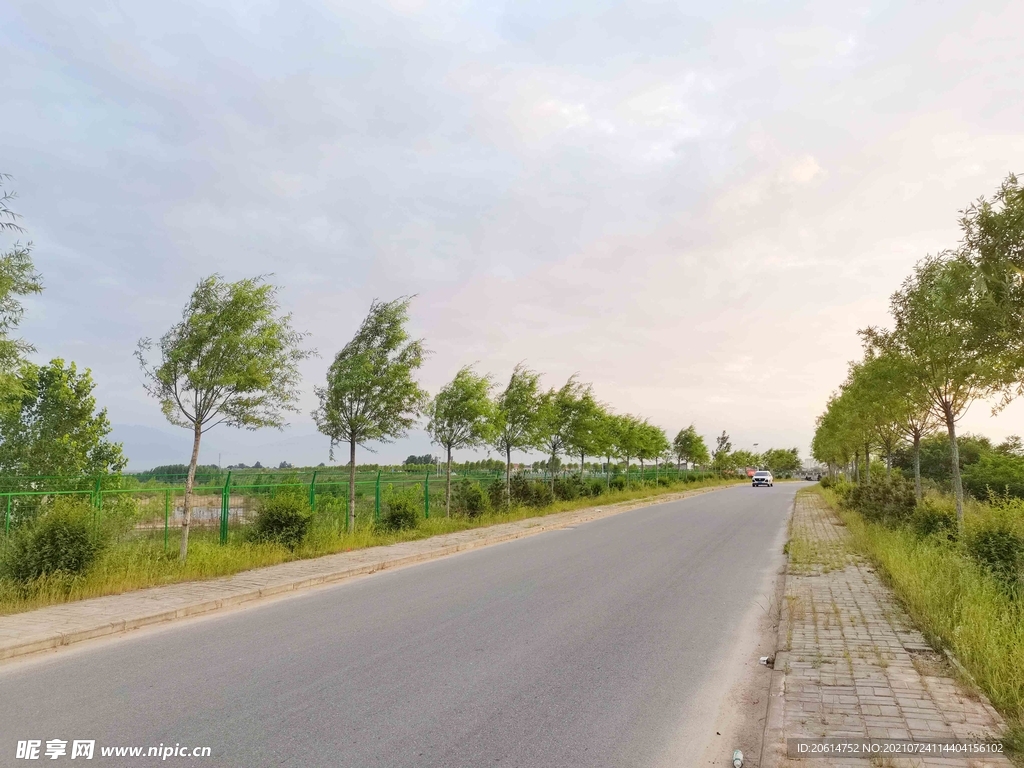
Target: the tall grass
(954, 600)
(134, 563)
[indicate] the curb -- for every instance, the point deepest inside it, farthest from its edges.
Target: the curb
(52, 640)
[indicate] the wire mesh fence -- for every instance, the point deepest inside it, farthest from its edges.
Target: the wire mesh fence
(225, 502)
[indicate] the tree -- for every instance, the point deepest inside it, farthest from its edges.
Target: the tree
(420, 460)
(627, 438)
(993, 239)
(742, 459)
(232, 359)
(653, 444)
(723, 446)
(585, 433)
(371, 393)
(781, 460)
(49, 425)
(689, 447)
(460, 417)
(516, 417)
(952, 342)
(18, 278)
(559, 411)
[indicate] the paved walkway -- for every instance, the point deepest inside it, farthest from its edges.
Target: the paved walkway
(59, 625)
(851, 665)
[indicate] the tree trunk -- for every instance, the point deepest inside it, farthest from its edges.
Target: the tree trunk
(856, 467)
(351, 485)
(448, 486)
(917, 465)
(867, 464)
(186, 519)
(551, 466)
(582, 457)
(508, 478)
(958, 488)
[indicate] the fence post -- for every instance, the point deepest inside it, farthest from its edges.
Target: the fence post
(376, 499)
(312, 493)
(225, 506)
(426, 496)
(167, 514)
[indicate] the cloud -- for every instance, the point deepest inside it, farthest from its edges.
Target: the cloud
(695, 208)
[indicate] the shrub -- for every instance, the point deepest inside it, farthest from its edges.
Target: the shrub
(569, 488)
(63, 539)
(664, 482)
(827, 482)
(468, 498)
(995, 472)
(497, 495)
(597, 487)
(887, 500)
(932, 519)
(618, 484)
(401, 511)
(998, 547)
(541, 494)
(282, 519)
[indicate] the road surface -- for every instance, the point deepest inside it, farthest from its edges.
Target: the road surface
(601, 645)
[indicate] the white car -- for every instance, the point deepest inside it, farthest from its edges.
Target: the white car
(762, 478)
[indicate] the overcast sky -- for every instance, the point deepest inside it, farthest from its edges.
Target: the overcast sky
(693, 205)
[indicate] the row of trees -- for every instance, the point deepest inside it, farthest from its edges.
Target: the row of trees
(957, 336)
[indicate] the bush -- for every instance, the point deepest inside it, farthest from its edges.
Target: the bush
(931, 519)
(618, 484)
(664, 482)
(997, 546)
(887, 500)
(400, 511)
(63, 539)
(282, 519)
(541, 494)
(597, 487)
(468, 498)
(569, 488)
(997, 473)
(497, 495)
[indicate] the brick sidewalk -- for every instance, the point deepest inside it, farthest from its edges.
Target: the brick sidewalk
(58, 625)
(850, 663)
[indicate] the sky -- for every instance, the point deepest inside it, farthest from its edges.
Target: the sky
(692, 205)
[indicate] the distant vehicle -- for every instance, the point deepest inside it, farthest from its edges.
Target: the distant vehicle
(762, 478)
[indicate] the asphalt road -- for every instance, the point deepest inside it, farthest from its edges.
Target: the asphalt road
(599, 645)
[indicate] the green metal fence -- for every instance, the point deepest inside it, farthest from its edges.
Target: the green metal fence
(224, 502)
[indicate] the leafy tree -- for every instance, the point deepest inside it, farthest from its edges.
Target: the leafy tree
(232, 359)
(516, 423)
(420, 460)
(1011, 446)
(781, 460)
(559, 412)
(460, 417)
(689, 447)
(952, 343)
(49, 425)
(285, 465)
(584, 432)
(993, 238)
(18, 278)
(627, 438)
(723, 447)
(742, 459)
(371, 393)
(653, 444)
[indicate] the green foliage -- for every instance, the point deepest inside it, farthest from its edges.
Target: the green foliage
(936, 456)
(400, 510)
(18, 278)
(516, 420)
(570, 488)
(460, 416)
(175, 473)
(468, 498)
(596, 487)
(886, 500)
(530, 493)
(617, 483)
(690, 447)
(781, 460)
(995, 473)
(283, 519)
(999, 547)
(50, 425)
(63, 540)
(934, 519)
(721, 458)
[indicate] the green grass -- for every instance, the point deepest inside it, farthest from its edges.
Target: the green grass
(141, 562)
(955, 602)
